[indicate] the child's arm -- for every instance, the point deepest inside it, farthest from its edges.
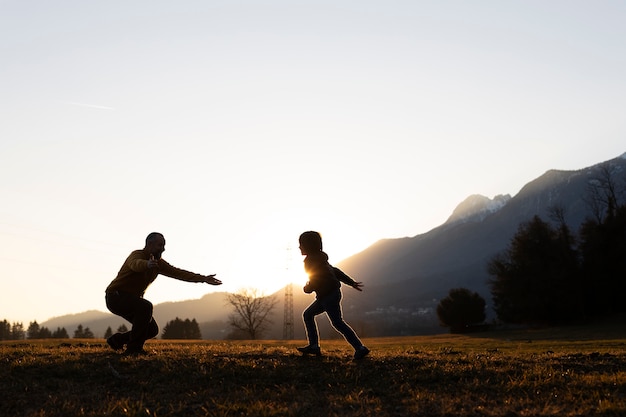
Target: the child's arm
(343, 277)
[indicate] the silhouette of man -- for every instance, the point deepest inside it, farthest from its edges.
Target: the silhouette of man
(124, 295)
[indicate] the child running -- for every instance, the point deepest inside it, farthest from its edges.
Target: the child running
(326, 281)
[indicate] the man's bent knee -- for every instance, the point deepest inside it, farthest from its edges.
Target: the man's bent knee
(145, 306)
(153, 329)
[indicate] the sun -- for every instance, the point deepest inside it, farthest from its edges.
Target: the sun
(269, 257)
(267, 264)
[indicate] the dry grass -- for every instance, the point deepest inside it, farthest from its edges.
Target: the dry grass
(515, 374)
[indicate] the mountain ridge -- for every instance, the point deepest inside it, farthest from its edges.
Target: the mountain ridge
(406, 277)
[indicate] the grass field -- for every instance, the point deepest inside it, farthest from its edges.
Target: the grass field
(555, 372)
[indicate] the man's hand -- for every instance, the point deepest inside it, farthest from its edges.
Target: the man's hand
(210, 279)
(152, 263)
(358, 286)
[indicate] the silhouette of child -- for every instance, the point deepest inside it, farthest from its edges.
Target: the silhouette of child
(326, 281)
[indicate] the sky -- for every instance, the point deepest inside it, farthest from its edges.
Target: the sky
(233, 126)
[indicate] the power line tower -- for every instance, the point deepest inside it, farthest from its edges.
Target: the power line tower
(288, 308)
(288, 316)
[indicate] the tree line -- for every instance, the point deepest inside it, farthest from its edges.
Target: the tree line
(175, 329)
(548, 274)
(16, 331)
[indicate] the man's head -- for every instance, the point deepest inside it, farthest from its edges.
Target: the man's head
(155, 244)
(310, 242)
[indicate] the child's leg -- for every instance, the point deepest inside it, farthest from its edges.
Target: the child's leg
(332, 305)
(308, 316)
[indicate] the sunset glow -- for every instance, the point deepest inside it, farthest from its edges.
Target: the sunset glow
(232, 127)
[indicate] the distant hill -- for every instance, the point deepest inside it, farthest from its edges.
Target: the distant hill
(211, 312)
(405, 278)
(208, 309)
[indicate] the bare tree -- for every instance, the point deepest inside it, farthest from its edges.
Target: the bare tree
(252, 311)
(556, 213)
(604, 192)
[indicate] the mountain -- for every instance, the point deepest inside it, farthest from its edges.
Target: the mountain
(405, 278)
(477, 207)
(407, 273)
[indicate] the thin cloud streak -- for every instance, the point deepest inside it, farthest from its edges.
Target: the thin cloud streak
(90, 106)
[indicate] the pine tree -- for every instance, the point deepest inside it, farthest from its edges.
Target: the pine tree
(33, 330)
(108, 333)
(45, 333)
(60, 333)
(17, 331)
(79, 332)
(537, 280)
(182, 329)
(5, 330)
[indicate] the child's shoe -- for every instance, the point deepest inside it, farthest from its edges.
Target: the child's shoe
(310, 350)
(361, 352)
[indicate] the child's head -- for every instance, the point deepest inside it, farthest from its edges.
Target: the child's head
(310, 242)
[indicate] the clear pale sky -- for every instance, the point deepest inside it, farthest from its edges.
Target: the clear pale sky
(233, 126)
